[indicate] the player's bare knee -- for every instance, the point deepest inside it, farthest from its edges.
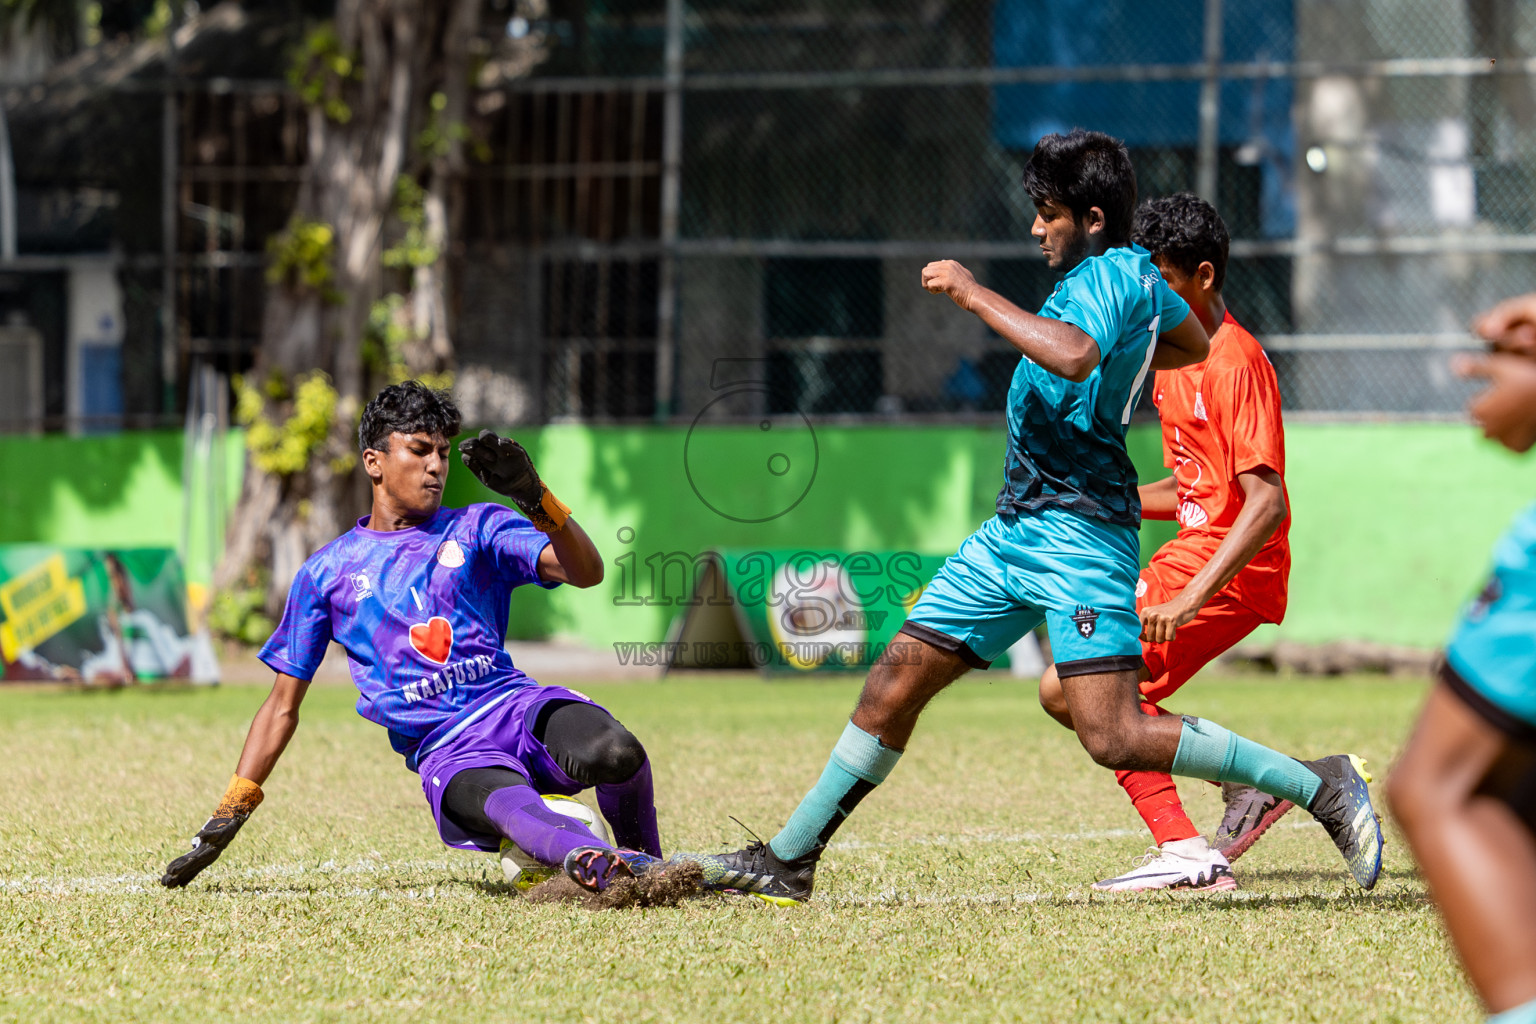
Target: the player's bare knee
(1398, 789)
(1416, 791)
(879, 709)
(1116, 755)
(1109, 747)
(1414, 804)
(1052, 697)
(894, 688)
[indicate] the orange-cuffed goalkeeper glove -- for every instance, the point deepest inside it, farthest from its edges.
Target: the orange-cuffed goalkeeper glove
(240, 799)
(503, 465)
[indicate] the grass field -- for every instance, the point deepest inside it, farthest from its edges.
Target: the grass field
(958, 892)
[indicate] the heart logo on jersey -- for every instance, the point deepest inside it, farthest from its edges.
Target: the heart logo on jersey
(433, 639)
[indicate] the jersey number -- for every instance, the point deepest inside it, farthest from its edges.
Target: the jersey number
(1141, 378)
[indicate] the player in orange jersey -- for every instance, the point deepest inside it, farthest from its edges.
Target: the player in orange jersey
(1226, 570)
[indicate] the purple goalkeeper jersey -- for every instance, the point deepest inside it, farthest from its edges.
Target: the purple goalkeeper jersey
(422, 615)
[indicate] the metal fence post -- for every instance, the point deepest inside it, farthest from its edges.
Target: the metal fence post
(169, 343)
(7, 192)
(1210, 103)
(671, 170)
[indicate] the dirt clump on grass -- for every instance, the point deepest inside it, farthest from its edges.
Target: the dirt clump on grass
(663, 887)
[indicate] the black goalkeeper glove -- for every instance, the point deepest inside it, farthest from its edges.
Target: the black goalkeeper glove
(503, 465)
(234, 810)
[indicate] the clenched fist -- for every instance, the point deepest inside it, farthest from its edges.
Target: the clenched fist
(948, 277)
(1506, 409)
(1160, 622)
(1510, 326)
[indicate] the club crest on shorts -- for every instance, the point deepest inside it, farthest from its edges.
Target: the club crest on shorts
(1491, 593)
(1086, 619)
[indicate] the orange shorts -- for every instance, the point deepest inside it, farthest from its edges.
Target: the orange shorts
(1219, 625)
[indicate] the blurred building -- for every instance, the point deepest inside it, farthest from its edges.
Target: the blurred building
(721, 208)
(114, 276)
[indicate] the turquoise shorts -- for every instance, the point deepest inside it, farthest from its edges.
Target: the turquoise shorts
(1078, 575)
(1492, 653)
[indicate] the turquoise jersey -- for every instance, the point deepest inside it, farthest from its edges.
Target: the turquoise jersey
(1066, 441)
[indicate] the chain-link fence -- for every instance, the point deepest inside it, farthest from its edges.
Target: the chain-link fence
(678, 186)
(1373, 160)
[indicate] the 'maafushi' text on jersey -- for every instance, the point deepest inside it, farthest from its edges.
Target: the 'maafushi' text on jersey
(1066, 440)
(422, 615)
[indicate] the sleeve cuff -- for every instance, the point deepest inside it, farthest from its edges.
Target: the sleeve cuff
(1097, 341)
(1255, 465)
(286, 667)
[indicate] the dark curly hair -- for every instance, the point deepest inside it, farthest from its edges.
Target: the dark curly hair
(410, 408)
(1081, 170)
(1184, 230)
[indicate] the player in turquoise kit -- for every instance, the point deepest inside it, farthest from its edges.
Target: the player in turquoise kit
(1063, 545)
(1465, 788)
(417, 595)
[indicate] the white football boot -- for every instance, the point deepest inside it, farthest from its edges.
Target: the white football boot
(1183, 864)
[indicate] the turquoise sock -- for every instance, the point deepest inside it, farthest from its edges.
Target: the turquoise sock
(1207, 751)
(858, 764)
(1525, 1013)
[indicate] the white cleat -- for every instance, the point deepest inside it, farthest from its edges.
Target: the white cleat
(1185, 864)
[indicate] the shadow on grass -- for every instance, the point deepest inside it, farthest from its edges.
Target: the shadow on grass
(1293, 876)
(1358, 899)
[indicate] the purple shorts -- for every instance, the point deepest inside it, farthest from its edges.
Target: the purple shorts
(501, 737)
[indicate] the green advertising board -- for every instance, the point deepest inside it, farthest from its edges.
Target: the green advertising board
(796, 611)
(104, 617)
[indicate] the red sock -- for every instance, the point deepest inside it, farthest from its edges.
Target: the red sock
(1157, 799)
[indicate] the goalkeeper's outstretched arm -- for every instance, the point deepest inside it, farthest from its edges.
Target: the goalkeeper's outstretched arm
(272, 728)
(270, 732)
(505, 467)
(571, 557)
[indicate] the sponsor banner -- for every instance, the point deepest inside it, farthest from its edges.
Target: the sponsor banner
(99, 617)
(787, 610)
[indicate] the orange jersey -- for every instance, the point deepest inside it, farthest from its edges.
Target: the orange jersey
(1220, 418)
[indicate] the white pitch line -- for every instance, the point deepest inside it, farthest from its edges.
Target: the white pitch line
(65, 885)
(132, 882)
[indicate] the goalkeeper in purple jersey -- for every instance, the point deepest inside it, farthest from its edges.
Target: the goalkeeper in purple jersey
(417, 595)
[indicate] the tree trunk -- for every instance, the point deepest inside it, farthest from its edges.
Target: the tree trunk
(400, 52)
(432, 350)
